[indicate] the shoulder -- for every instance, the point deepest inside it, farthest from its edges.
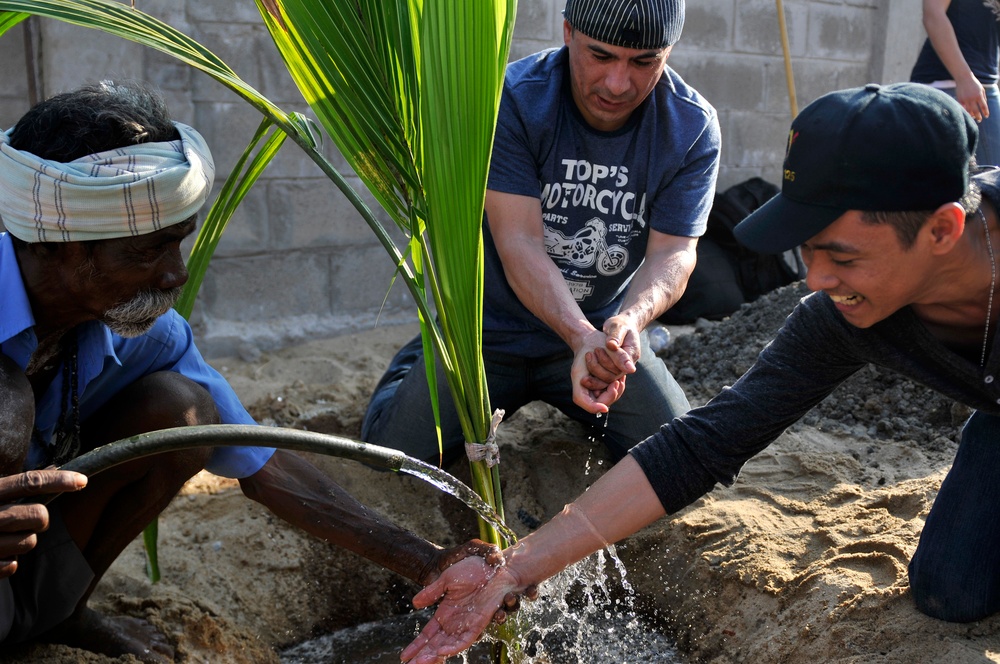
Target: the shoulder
(988, 179)
(534, 83)
(536, 69)
(675, 94)
(681, 116)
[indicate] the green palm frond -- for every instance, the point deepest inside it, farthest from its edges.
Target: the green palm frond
(408, 91)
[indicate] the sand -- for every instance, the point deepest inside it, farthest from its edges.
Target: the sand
(802, 561)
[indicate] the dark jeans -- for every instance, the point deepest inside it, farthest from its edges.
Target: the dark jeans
(399, 414)
(955, 571)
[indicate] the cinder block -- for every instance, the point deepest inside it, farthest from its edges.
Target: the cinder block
(840, 32)
(12, 54)
(708, 25)
(248, 232)
(223, 11)
(93, 56)
(535, 20)
(11, 110)
(314, 213)
(759, 31)
(239, 45)
(756, 140)
(268, 287)
(173, 13)
(777, 94)
(229, 126)
(815, 78)
(727, 81)
(168, 73)
(360, 281)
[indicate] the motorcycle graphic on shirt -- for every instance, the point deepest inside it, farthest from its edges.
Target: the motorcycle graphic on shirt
(587, 247)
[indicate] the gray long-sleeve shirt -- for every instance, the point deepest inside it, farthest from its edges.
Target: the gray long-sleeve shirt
(813, 353)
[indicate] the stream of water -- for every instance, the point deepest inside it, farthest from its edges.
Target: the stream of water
(576, 620)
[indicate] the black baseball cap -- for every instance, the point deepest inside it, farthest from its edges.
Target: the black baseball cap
(892, 148)
(642, 24)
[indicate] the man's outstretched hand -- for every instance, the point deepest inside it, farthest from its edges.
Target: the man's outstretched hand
(469, 595)
(20, 522)
(491, 553)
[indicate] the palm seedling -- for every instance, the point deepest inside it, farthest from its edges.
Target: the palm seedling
(408, 91)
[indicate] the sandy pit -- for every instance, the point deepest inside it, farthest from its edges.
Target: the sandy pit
(802, 561)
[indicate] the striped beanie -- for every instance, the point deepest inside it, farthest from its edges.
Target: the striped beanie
(128, 191)
(642, 24)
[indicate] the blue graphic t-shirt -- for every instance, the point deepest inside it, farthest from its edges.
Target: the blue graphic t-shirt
(601, 192)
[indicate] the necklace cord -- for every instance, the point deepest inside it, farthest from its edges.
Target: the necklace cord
(993, 281)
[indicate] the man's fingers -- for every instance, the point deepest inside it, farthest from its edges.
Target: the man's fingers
(16, 544)
(602, 366)
(30, 517)
(39, 482)
(593, 384)
(418, 643)
(610, 395)
(7, 568)
(429, 595)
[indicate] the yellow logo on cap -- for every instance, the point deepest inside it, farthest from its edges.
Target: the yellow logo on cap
(792, 135)
(789, 174)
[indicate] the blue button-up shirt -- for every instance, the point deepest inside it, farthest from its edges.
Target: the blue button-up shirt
(108, 362)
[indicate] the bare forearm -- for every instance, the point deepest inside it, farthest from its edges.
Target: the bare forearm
(659, 282)
(942, 36)
(540, 287)
(299, 493)
(619, 504)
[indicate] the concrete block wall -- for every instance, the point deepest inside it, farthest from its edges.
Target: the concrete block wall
(298, 262)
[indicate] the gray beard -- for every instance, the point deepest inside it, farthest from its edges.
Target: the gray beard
(137, 316)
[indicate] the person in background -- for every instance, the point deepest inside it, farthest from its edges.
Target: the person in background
(902, 247)
(962, 57)
(601, 180)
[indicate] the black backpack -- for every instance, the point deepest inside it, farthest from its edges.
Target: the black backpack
(728, 274)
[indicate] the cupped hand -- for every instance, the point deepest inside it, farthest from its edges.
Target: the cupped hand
(20, 522)
(469, 594)
(623, 344)
(592, 393)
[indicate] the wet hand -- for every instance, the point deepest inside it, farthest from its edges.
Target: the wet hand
(622, 344)
(491, 553)
(21, 522)
(595, 394)
(469, 595)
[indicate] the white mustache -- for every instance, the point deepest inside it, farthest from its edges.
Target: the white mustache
(136, 316)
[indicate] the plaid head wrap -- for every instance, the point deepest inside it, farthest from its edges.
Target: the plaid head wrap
(129, 191)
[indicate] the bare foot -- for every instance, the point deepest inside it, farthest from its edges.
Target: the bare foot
(113, 636)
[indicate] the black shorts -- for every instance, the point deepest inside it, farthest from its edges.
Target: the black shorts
(49, 583)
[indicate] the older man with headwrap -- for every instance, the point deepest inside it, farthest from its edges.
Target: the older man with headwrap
(98, 188)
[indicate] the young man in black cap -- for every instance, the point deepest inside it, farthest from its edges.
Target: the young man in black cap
(902, 249)
(602, 177)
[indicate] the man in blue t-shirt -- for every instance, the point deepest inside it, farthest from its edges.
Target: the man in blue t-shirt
(602, 176)
(98, 188)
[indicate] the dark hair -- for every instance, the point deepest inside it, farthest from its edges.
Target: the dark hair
(97, 117)
(908, 224)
